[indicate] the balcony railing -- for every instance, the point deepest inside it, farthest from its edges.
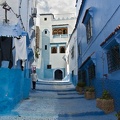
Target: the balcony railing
(61, 36)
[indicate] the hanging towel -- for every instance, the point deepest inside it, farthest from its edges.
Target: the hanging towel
(20, 48)
(6, 50)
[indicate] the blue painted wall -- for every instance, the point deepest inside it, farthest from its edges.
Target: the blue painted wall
(14, 87)
(105, 18)
(49, 73)
(15, 84)
(45, 54)
(73, 79)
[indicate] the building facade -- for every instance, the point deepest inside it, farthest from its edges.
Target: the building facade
(16, 55)
(72, 58)
(54, 34)
(98, 36)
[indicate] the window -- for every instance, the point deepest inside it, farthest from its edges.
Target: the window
(72, 52)
(53, 49)
(45, 19)
(89, 29)
(87, 21)
(45, 31)
(62, 49)
(113, 58)
(64, 31)
(54, 32)
(91, 72)
(48, 66)
(60, 31)
(45, 47)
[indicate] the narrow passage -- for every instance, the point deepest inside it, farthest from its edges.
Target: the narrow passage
(57, 101)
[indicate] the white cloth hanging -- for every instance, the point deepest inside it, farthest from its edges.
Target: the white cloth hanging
(20, 48)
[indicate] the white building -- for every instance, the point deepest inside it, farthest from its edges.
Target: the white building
(54, 34)
(72, 58)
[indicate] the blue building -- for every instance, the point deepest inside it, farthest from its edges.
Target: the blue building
(98, 38)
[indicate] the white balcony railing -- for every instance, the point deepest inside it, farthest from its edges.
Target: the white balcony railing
(61, 36)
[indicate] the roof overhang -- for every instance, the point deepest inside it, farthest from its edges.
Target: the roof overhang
(112, 40)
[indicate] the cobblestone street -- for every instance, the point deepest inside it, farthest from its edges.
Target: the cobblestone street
(57, 101)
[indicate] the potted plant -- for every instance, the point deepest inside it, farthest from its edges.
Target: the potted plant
(80, 87)
(106, 102)
(89, 92)
(118, 115)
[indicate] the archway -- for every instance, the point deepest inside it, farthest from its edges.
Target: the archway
(58, 75)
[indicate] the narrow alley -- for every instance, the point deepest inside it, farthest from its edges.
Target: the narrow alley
(67, 50)
(56, 101)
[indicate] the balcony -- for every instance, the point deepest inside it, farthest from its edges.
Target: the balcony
(61, 36)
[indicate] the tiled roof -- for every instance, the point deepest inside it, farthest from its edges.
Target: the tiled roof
(116, 29)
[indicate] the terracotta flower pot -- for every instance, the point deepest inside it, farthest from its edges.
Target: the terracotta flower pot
(118, 118)
(89, 95)
(77, 88)
(81, 90)
(107, 105)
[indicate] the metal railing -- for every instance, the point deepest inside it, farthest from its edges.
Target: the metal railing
(113, 57)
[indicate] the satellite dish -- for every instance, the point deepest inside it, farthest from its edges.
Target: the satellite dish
(2, 2)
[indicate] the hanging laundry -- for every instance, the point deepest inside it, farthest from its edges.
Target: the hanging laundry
(20, 48)
(22, 64)
(6, 50)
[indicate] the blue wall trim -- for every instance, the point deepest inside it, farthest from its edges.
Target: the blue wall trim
(48, 74)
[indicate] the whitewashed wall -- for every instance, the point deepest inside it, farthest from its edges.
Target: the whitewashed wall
(73, 62)
(48, 25)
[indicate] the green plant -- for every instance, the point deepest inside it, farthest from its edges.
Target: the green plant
(117, 114)
(90, 89)
(81, 84)
(106, 95)
(36, 53)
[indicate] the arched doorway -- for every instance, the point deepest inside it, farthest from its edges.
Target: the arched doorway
(58, 75)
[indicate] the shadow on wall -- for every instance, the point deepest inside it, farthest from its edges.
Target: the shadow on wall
(13, 88)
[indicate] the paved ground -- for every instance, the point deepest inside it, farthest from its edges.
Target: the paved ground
(57, 101)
